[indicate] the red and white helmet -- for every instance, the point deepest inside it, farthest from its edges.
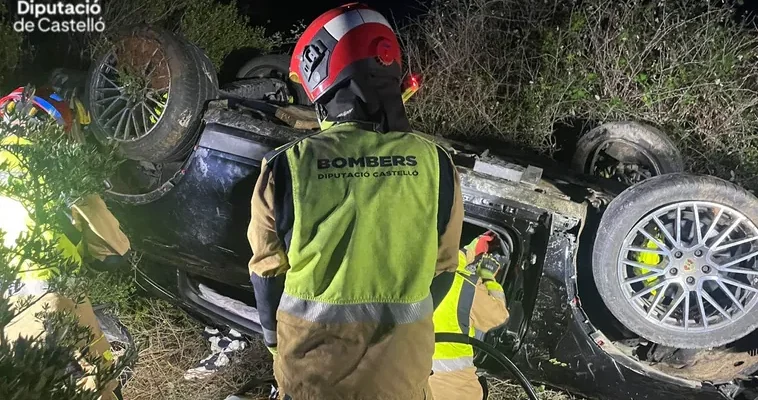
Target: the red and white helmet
(330, 48)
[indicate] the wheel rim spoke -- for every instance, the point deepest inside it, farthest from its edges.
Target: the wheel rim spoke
(665, 231)
(740, 271)
(115, 118)
(144, 118)
(136, 126)
(737, 261)
(715, 304)
(133, 92)
(658, 297)
(713, 224)
(678, 225)
(661, 268)
(736, 243)
(730, 295)
(114, 84)
(648, 290)
(641, 250)
(121, 122)
(150, 111)
(675, 304)
(652, 239)
(111, 99)
(726, 233)
(644, 266)
(739, 285)
(687, 310)
(641, 278)
(701, 307)
(696, 213)
(110, 108)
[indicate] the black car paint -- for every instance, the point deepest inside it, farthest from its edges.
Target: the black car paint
(210, 201)
(548, 335)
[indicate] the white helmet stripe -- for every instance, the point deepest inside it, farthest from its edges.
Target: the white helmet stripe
(373, 16)
(340, 25)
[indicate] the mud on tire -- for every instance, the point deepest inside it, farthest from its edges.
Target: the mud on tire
(147, 92)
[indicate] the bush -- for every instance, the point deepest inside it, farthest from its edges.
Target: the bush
(228, 31)
(216, 28)
(686, 67)
(10, 46)
(52, 173)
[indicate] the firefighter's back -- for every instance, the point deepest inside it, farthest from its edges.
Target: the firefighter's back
(355, 320)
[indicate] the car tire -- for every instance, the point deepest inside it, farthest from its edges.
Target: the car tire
(274, 66)
(208, 91)
(117, 335)
(625, 214)
(181, 71)
(649, 142)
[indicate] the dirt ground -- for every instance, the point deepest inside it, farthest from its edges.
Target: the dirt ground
(171, 342)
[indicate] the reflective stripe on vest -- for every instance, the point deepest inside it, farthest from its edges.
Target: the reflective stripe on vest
(386, 313)
(268, 335)
(455, 364)
(358, 251)
(454, 315)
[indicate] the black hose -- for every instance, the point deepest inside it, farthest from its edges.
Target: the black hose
(494, 353)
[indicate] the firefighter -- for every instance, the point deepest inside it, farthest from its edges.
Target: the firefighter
(474, 305)
(363, 218)
(95, 235)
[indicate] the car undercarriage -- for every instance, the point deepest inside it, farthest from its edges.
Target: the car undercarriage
(187, 214)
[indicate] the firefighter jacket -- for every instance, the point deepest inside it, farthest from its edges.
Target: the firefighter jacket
(359, 222)
(473, 306)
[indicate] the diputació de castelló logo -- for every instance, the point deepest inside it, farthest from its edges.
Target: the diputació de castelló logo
(63, 16)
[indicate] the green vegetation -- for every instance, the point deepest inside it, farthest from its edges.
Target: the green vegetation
(683, 66)
(52, 173)
(10, 45)
(215, 27)
(230, 31)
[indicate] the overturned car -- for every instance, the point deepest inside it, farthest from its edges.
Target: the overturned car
(627, 278)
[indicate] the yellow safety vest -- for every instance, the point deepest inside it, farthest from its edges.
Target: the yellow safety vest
(341, 178)
(15, 220)
(453, 315)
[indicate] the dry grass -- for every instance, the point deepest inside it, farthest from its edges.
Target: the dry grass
(507, 390)
(512, 69)
(170, 343)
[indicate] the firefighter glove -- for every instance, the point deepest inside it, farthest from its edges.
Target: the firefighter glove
(488, 265)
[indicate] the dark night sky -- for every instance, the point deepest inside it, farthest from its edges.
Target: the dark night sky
(280, 15)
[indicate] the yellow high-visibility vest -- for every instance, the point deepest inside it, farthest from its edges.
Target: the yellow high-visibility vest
(453, 316)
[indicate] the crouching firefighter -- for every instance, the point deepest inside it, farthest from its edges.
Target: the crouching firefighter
(474, 305)
(363, 218)
(94, 235)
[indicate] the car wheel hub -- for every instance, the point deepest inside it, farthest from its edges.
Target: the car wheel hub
(691, 266)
